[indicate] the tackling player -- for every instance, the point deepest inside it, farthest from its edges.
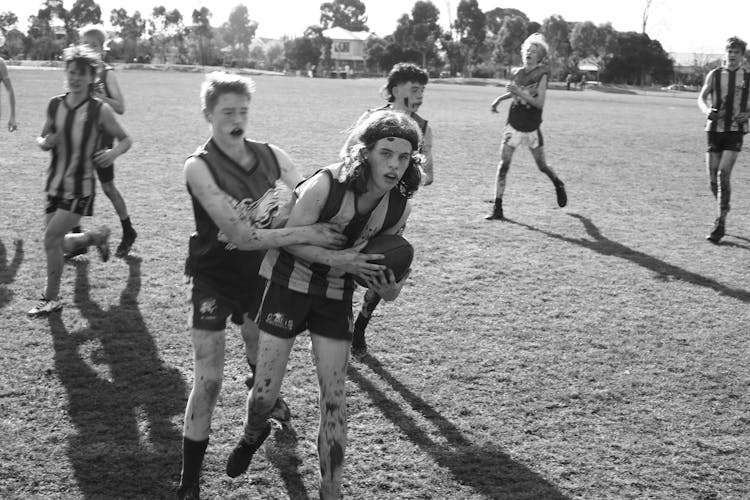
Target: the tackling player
(311, 288)
(72, 132)
(232, 183)
(528, 90)
(727, 122)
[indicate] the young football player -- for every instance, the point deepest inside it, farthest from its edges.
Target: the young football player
(311, 288)
(12, 125)
(232, 182)
(726, 88)
(108, 90)
(404, 91)
(528, 90)
(72, 132)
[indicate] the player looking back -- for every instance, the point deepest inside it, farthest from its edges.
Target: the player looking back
(726, 88)
(404, 91)
(311, 288)
(528, 90)
(232, 183)
(72, 132)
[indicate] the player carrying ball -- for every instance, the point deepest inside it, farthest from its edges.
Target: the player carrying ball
(311, 288)
(528, 90)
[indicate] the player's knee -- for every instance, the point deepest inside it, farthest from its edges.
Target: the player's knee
(262, 402)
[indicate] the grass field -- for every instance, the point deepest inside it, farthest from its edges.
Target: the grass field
(600, 351)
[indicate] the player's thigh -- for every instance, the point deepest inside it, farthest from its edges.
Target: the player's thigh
(728, 159)
(59, 223)
(273, 356)
(331, 357)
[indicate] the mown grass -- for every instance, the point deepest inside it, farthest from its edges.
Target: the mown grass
(599, 351)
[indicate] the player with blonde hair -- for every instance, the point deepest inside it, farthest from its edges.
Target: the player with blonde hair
(528, 91)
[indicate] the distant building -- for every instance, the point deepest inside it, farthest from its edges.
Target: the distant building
(688, 65)
(347, 48)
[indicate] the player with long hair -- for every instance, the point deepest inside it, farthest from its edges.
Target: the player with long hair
(528, 91)
(311, 288)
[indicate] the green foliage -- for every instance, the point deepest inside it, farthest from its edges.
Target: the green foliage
(347, 14)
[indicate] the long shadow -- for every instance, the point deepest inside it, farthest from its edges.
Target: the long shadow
(282, 452)
(8, 271)
(484, 467)
(663, 270)
(122, 397)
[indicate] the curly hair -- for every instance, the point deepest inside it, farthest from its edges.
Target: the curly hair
(403, 73)
(379, 125)
(83, 57)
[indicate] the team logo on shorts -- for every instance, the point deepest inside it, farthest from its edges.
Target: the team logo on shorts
(207, 308)
(279, 320)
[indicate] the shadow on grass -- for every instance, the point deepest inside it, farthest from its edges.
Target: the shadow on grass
(663, 270)
(121, 397)
(8, 270)
(485, 467)
(283, 453)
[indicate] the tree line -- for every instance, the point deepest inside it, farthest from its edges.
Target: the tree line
(477, 43)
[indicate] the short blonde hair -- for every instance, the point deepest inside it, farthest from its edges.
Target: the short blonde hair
(218, 83)
(95, 30)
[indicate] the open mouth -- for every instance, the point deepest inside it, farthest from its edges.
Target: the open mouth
(237, 132)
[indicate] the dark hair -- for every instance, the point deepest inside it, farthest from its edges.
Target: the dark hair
(736, 43)
(379, 125)
(403, 73)
(218, 83)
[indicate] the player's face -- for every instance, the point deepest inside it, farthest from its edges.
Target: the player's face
(228, 119)
(532, 55)
(734, 57)
(388, 160)
(78, 78)
(408, 96)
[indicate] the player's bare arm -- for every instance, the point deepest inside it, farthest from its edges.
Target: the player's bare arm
(427, 153)
(703, 104)
(307, 211)
(106, 157)
(385, 284)
(289, 173)
(12, 125)
(47, 139)
(216, 203)
(115, 99)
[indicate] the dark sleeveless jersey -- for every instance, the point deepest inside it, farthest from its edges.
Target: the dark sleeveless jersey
(71, 170)
(309, 278)
(212, 259)
(522, 116)
(729, 95)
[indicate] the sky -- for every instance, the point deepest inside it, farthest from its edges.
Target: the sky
(680, 25)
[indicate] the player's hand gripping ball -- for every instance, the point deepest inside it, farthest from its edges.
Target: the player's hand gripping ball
(397, 251)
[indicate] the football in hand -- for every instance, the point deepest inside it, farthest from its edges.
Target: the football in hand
(398, 254)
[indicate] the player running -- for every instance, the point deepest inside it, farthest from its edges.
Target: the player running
(311, 288)
(72, 132)
(528, 90)
(727, 122)
(404, 91)
(232, 182)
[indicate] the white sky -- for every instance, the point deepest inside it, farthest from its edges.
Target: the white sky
(680, 25)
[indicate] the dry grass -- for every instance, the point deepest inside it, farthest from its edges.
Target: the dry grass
(599, 351)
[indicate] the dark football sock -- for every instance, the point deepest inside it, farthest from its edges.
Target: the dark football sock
(127, 226)
(192, 459)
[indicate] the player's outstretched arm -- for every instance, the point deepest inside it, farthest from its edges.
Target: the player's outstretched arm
(220, 209)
